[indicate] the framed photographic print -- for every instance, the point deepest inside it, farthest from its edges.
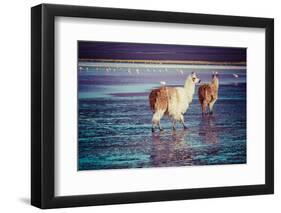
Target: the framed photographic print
(139, 106)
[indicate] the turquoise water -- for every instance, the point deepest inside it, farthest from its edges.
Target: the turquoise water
(115, 121)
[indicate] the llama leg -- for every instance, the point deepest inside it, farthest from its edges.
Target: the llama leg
(204, 107)
(201, 103)
(156, 120)
(154, 123)
(211, 105)
(182, 121)
(161, 113)
(174, 124)
(159, 127)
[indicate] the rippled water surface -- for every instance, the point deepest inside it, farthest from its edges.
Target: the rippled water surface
(115, 121)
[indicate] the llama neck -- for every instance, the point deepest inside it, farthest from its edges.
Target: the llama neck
(215, 83)
(189, 88)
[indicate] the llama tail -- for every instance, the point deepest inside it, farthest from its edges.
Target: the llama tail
(152, 99)
(158, 99)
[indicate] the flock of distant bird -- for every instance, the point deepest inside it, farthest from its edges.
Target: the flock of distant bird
(129, 70)
(137, 71)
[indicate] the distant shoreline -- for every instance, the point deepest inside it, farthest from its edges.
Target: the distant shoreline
(234, 63)
(182, 65)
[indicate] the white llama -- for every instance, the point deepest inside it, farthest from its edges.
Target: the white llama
(172, 101)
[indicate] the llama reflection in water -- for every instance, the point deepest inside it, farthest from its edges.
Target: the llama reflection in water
(209, 135)
(170, 149)
(208, 130)
(180, 148)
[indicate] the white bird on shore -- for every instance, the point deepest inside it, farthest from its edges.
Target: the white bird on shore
(163, 83)
(235, 75)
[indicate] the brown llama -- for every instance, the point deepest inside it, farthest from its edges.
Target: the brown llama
(208, 94)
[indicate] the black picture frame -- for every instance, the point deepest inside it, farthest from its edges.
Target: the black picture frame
(43, 102)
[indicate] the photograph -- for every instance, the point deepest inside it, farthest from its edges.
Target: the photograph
(143, 105)
(121, 96)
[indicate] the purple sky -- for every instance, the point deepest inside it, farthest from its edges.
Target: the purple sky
(138, 51)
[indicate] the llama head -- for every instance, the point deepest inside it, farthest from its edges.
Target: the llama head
(215, 79)
(191, 80)
(215, 75)
(194, 78)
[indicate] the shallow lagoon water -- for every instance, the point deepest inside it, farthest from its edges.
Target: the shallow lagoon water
(115, 122)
